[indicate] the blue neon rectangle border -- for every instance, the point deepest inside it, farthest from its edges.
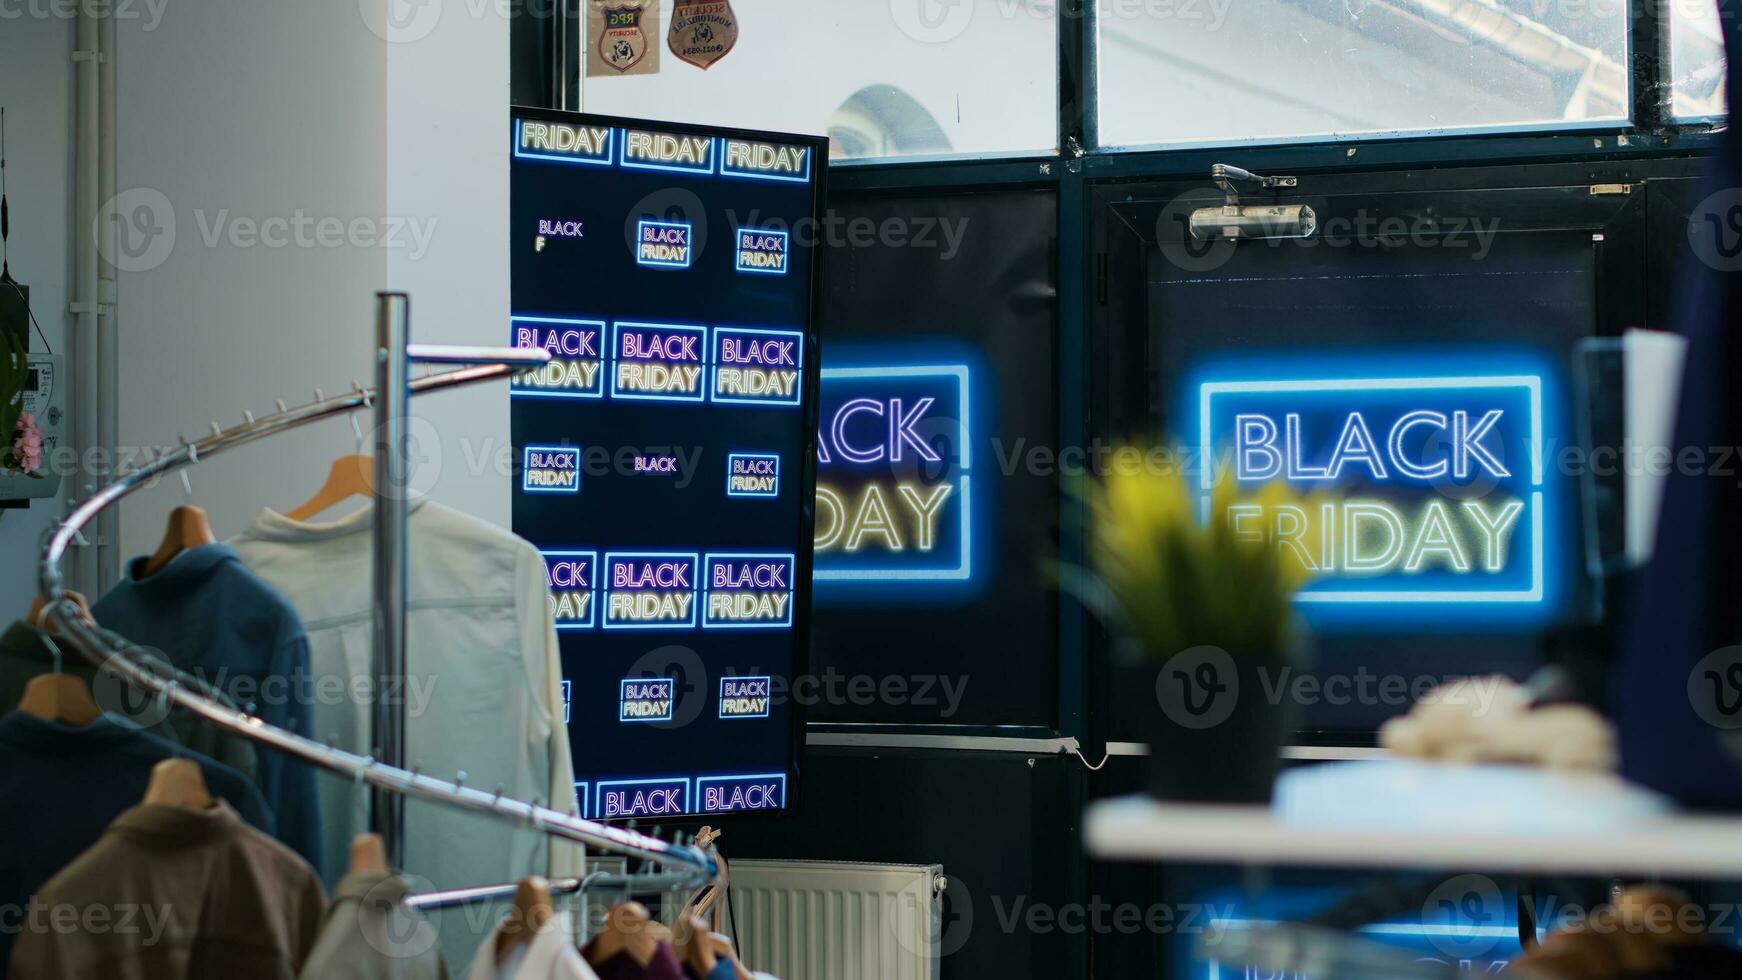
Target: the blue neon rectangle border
(809, 161)
(600, 787)
(514, 148)
(701, 395)
(964, 452)
(700, 781)
(1530, 382)
(526, 468)
(738, 252)
(605, 621)
(792, 565)
(753, 493)
(720, 712)
(604, 362)
(670, 711)
(656, 263)
(714, 357)
(623, 154)
(593, 606)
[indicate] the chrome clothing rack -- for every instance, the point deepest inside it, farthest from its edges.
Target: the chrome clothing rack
(386, 777)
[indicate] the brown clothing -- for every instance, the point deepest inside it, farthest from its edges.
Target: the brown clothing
(169, 893)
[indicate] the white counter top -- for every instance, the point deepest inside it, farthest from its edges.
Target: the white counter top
(1408, 814)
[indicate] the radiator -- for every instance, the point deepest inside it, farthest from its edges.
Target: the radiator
(829, 920)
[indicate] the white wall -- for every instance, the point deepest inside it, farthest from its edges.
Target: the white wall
(36, 87)
(447, 118)
(240, 112)
(246, 112)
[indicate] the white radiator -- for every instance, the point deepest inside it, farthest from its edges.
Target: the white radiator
(831, 920)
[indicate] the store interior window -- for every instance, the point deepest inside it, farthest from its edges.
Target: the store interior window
(935, 516)
(1697, 58)
(1276, 69)
(910, 79)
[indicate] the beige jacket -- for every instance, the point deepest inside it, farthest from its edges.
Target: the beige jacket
(484, 693)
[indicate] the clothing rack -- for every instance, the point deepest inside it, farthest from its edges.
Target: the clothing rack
(389, 782)
(598, 881)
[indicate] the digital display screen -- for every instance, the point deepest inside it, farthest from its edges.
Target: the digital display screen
(667, 450)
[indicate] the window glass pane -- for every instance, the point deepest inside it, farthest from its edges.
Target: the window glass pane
(1697, 57)
(1229, 70)
(884, 78)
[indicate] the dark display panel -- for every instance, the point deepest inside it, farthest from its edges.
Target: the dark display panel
(1444, 550)
(665, 452)
(939, 389)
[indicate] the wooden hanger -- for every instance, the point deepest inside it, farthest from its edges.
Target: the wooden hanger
(178, 782)
(188, 528)
(627, 930)
(349, 476)
(62, 698)
(532, 909)
(56, 696)
(368, 854)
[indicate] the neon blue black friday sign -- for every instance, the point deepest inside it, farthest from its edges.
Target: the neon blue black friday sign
(1434, 486)
(894, 498)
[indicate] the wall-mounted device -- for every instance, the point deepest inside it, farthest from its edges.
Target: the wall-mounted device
(1235, 221)
(45, 398)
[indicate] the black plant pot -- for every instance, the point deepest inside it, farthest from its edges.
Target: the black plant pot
(1215, 731)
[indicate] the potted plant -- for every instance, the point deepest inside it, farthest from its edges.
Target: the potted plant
(1199, 601)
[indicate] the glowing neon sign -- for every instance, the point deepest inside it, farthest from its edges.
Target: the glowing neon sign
(575, 368)
(650, 590)
(894, 492)
(763, 251)
(745, 697)
(658, 361)
(550, 469)
(573, 588)
(562, 142)
(621, 798)
(746, 591)
(641, 699)
(733, 794)
(757, 366)
(648, 150)
(752, 474)
(1436, 482)
(664, 244)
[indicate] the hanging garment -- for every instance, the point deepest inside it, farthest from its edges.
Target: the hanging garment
(724, 969)
(24, 655)
(370, 935)
(210, 616)
(64, 784)
(663, 966)
(185, 894)
(1676, 699)
(550, 955)
(483, 688)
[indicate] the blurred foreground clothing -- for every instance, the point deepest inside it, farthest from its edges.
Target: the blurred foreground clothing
(205, 896)
(370, 935)
(1678, 688)
(65, 784)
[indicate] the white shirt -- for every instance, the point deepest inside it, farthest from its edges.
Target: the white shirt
(484, 685)
(550, 956)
